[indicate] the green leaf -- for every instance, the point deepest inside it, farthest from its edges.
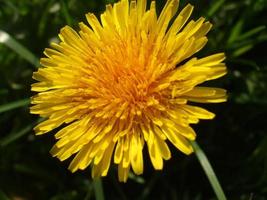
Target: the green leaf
(13, 44)
(202, 158)
(14, 105)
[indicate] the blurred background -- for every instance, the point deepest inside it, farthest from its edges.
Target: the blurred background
(235, 141)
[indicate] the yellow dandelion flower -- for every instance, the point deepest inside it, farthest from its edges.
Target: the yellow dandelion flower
(123, 83)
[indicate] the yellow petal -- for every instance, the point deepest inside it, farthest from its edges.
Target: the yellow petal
(163, 149)
(123, 173)
(200, 113)
(82, 159)
(118, 152)
(154, 153)
(178, 141)
(136, 155)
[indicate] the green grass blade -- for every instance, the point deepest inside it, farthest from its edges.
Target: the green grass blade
(242, 50)
(235, 32)
(15, 136)
(14, 105)
(65, 12)
(12, 137)
(251, 33)
(13, 44)
(216, 6)
(208, 171)
(137, 179)
(3, 196)
(3, 91)
(99, 193)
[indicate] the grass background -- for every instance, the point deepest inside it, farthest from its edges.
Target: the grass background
(235, 142)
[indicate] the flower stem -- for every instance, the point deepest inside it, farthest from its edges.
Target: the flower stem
(99, 193)
(202, 158)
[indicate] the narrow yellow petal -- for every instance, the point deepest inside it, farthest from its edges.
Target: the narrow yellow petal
(102, 161)
(96, 26)
(206, 95)
(136, 155)
(154, 153)
(82, 159)
(201, 92)
(141, 8)
(200, 113)
(163, 149)
(123, 173)
(178, 141)
(118, 152)
(211, 60)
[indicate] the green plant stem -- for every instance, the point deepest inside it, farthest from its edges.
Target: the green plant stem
(99, 193)
(202, 158)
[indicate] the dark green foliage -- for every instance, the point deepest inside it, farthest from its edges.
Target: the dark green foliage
(235, 142)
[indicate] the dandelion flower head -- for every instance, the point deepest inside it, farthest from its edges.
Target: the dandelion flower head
(124, 83)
